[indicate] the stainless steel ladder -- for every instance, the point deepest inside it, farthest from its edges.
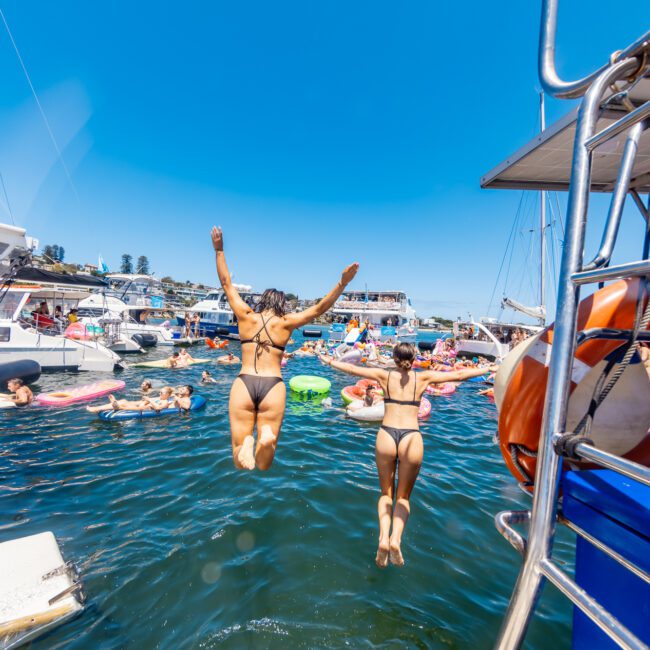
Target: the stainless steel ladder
(625, 68)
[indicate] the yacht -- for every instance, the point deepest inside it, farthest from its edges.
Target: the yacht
(132, 319)
(136, 289)
(24, 336)
(217, 319)
(562, 409)
(390, 316)
(489, 337)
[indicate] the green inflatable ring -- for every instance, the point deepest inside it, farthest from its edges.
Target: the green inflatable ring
(309, 385)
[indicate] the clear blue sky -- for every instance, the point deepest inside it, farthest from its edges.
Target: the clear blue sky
(315, 133)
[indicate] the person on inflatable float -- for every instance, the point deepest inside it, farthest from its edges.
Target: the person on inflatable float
(258, 394)
(399, 439)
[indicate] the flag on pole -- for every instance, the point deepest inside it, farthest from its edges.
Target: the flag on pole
(102, 267)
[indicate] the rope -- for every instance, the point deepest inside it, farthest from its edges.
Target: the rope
(40, 106)
(600, 393)
(9, 210)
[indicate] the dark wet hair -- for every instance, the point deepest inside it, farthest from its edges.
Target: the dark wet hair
(404, 355)
(273, 300)
(16, 380)
(190, 389)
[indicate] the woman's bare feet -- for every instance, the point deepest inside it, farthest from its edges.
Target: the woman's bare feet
(396, 557)
(382, 554)
(266, 437)
(246, 457)
(113, 401)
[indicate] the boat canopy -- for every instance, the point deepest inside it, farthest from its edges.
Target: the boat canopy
(545, 162)
(51, 278)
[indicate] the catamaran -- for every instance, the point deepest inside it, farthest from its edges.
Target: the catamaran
(575, 396)
(388, 314)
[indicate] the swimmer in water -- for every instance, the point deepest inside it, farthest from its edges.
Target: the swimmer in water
(183, 396)
(22, 395)
(398, 446)
(146, 386)
(227, 359)
(185, 358)
(207, 378)
(258, 395)
(164, 400)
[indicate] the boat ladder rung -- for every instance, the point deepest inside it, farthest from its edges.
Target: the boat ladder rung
(580, 448)
(590, 607)
(567, 586)
(630, 269)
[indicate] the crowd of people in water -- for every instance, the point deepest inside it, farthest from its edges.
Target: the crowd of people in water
(398, 375)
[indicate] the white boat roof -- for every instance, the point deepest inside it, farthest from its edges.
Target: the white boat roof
(544, 163)
(131, 276)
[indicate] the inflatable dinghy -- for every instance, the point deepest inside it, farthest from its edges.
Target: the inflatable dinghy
(163, 363)
(197, 402)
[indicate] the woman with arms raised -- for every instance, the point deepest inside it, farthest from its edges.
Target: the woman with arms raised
(258, 395)
(399, 439)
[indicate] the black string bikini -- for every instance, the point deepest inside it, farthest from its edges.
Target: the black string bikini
(394, 432)
(259, 387)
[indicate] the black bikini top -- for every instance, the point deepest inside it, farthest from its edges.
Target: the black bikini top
(390, 400)
(263, 344)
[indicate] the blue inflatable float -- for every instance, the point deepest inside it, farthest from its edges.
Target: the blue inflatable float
(197, 402)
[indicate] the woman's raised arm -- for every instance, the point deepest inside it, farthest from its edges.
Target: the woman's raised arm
(350, 369)
(437, 377)
(300, 318)
(238, 306)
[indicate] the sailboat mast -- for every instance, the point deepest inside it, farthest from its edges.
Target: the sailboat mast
(542, 223)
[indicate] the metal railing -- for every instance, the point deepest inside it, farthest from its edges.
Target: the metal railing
(537, 548)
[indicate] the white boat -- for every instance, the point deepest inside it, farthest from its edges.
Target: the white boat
(488, 337)
(389, 314)
(24, 337)
(136, 289)
(132, 319)
(216, 317)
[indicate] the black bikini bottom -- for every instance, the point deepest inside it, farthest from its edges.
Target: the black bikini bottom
(259, 387)
(398, 434)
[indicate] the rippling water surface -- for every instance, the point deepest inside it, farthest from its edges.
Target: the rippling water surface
(179, 550)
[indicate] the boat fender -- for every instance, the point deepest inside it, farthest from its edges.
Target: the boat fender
(26, 369)
(621, 422)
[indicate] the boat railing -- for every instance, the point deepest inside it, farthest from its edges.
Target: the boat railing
(555, 443)
(548, 75)
(362, 305)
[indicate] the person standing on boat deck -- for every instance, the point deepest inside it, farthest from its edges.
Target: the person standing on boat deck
(258, 394)
(399, 443)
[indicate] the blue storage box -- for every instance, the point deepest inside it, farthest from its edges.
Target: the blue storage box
(616, 511)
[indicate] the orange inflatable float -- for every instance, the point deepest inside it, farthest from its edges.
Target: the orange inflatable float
(210, 343)
(622, 421)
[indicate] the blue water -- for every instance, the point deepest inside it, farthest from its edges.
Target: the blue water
(178, 550)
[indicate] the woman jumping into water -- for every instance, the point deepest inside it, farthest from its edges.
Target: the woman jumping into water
(399, 439)
(258, 395)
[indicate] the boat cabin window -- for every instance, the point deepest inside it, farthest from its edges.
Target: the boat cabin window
(5, 334)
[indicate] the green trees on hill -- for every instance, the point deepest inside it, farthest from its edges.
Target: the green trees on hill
(54, 253)
(127, 263)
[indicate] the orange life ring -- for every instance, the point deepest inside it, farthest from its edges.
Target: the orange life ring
(622, 421)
